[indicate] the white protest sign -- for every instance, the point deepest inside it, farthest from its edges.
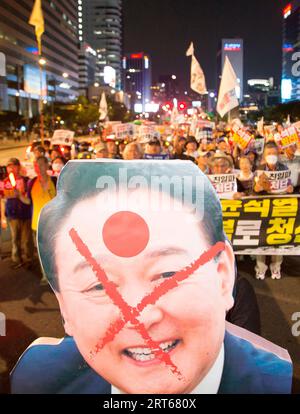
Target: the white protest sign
(258, 144)
(224, 184)
(206, 124)
(62, 137)
(279, 180)
(146, 133)
(123, 131)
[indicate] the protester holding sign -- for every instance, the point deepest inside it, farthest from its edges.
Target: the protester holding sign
(245, 179)
(292, 161)
(17, 215)
(263, 185)
(264, 181)
(222, 178)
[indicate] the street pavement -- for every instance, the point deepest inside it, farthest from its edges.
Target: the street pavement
(10, 148)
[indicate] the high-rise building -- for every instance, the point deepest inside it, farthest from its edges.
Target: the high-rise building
(87, 68)
(102, 28)
(137, 80)
(290, 82)
(234, 49)
(171, 86)
(22, 85)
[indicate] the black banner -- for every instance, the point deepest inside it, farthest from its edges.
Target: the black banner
(263, 225)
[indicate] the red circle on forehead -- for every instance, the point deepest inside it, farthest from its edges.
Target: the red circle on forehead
(125, 234)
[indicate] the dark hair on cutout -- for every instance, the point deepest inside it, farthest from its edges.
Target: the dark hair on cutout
(78, 180)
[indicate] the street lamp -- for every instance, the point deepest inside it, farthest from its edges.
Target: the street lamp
(65, 75)
(42, 61)
(174, 77)
(96, 84)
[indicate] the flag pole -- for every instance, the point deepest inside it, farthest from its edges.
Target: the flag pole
(41, 101)
(37, 20)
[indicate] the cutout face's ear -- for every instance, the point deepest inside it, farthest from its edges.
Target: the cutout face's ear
(226, 271)
(64, 314)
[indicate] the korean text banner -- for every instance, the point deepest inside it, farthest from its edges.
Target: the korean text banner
(263, 225)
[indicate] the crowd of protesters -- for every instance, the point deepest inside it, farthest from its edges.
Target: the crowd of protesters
(23, 199)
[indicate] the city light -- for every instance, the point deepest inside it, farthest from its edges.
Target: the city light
(65, 75)
(287, 11)
(174, 77)
(96, 84)
(42, 61)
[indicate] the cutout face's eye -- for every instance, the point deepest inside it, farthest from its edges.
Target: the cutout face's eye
(167, 275)
(95, 290)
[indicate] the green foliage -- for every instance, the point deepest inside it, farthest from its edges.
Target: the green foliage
(82, 113)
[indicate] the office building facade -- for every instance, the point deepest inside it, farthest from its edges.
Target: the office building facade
(102, 28)
(21, 89)
(137, 80)
(234, 49)
(87, 68)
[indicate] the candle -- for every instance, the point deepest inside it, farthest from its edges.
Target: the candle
(12, 179)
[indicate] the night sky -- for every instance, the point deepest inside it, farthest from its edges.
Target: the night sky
(164, 29)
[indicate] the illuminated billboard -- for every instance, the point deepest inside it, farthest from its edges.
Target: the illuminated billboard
(33, 84)
(110, 76)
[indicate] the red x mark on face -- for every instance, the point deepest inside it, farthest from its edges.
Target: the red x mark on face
(131, 314)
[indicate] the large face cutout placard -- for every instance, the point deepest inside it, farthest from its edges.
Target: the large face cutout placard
(137, 257)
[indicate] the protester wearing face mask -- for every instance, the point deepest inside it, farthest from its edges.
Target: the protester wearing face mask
(57, 165)
(262, 186)
(271, 163)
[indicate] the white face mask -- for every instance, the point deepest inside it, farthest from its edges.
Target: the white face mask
(57, 167)
(272, 159)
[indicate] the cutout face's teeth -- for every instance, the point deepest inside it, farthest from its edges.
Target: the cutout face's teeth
(146, 354)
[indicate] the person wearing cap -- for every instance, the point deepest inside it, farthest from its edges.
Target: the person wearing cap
(18, 215)
(100, 150)
(221, 163)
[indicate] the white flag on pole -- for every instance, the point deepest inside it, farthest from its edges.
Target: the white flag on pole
(190, 51)
(227, 99)
(197, 76)
(260, 126)
(174, 114)
(103, 108)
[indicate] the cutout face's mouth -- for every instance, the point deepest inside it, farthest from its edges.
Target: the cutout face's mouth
(143, 354)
